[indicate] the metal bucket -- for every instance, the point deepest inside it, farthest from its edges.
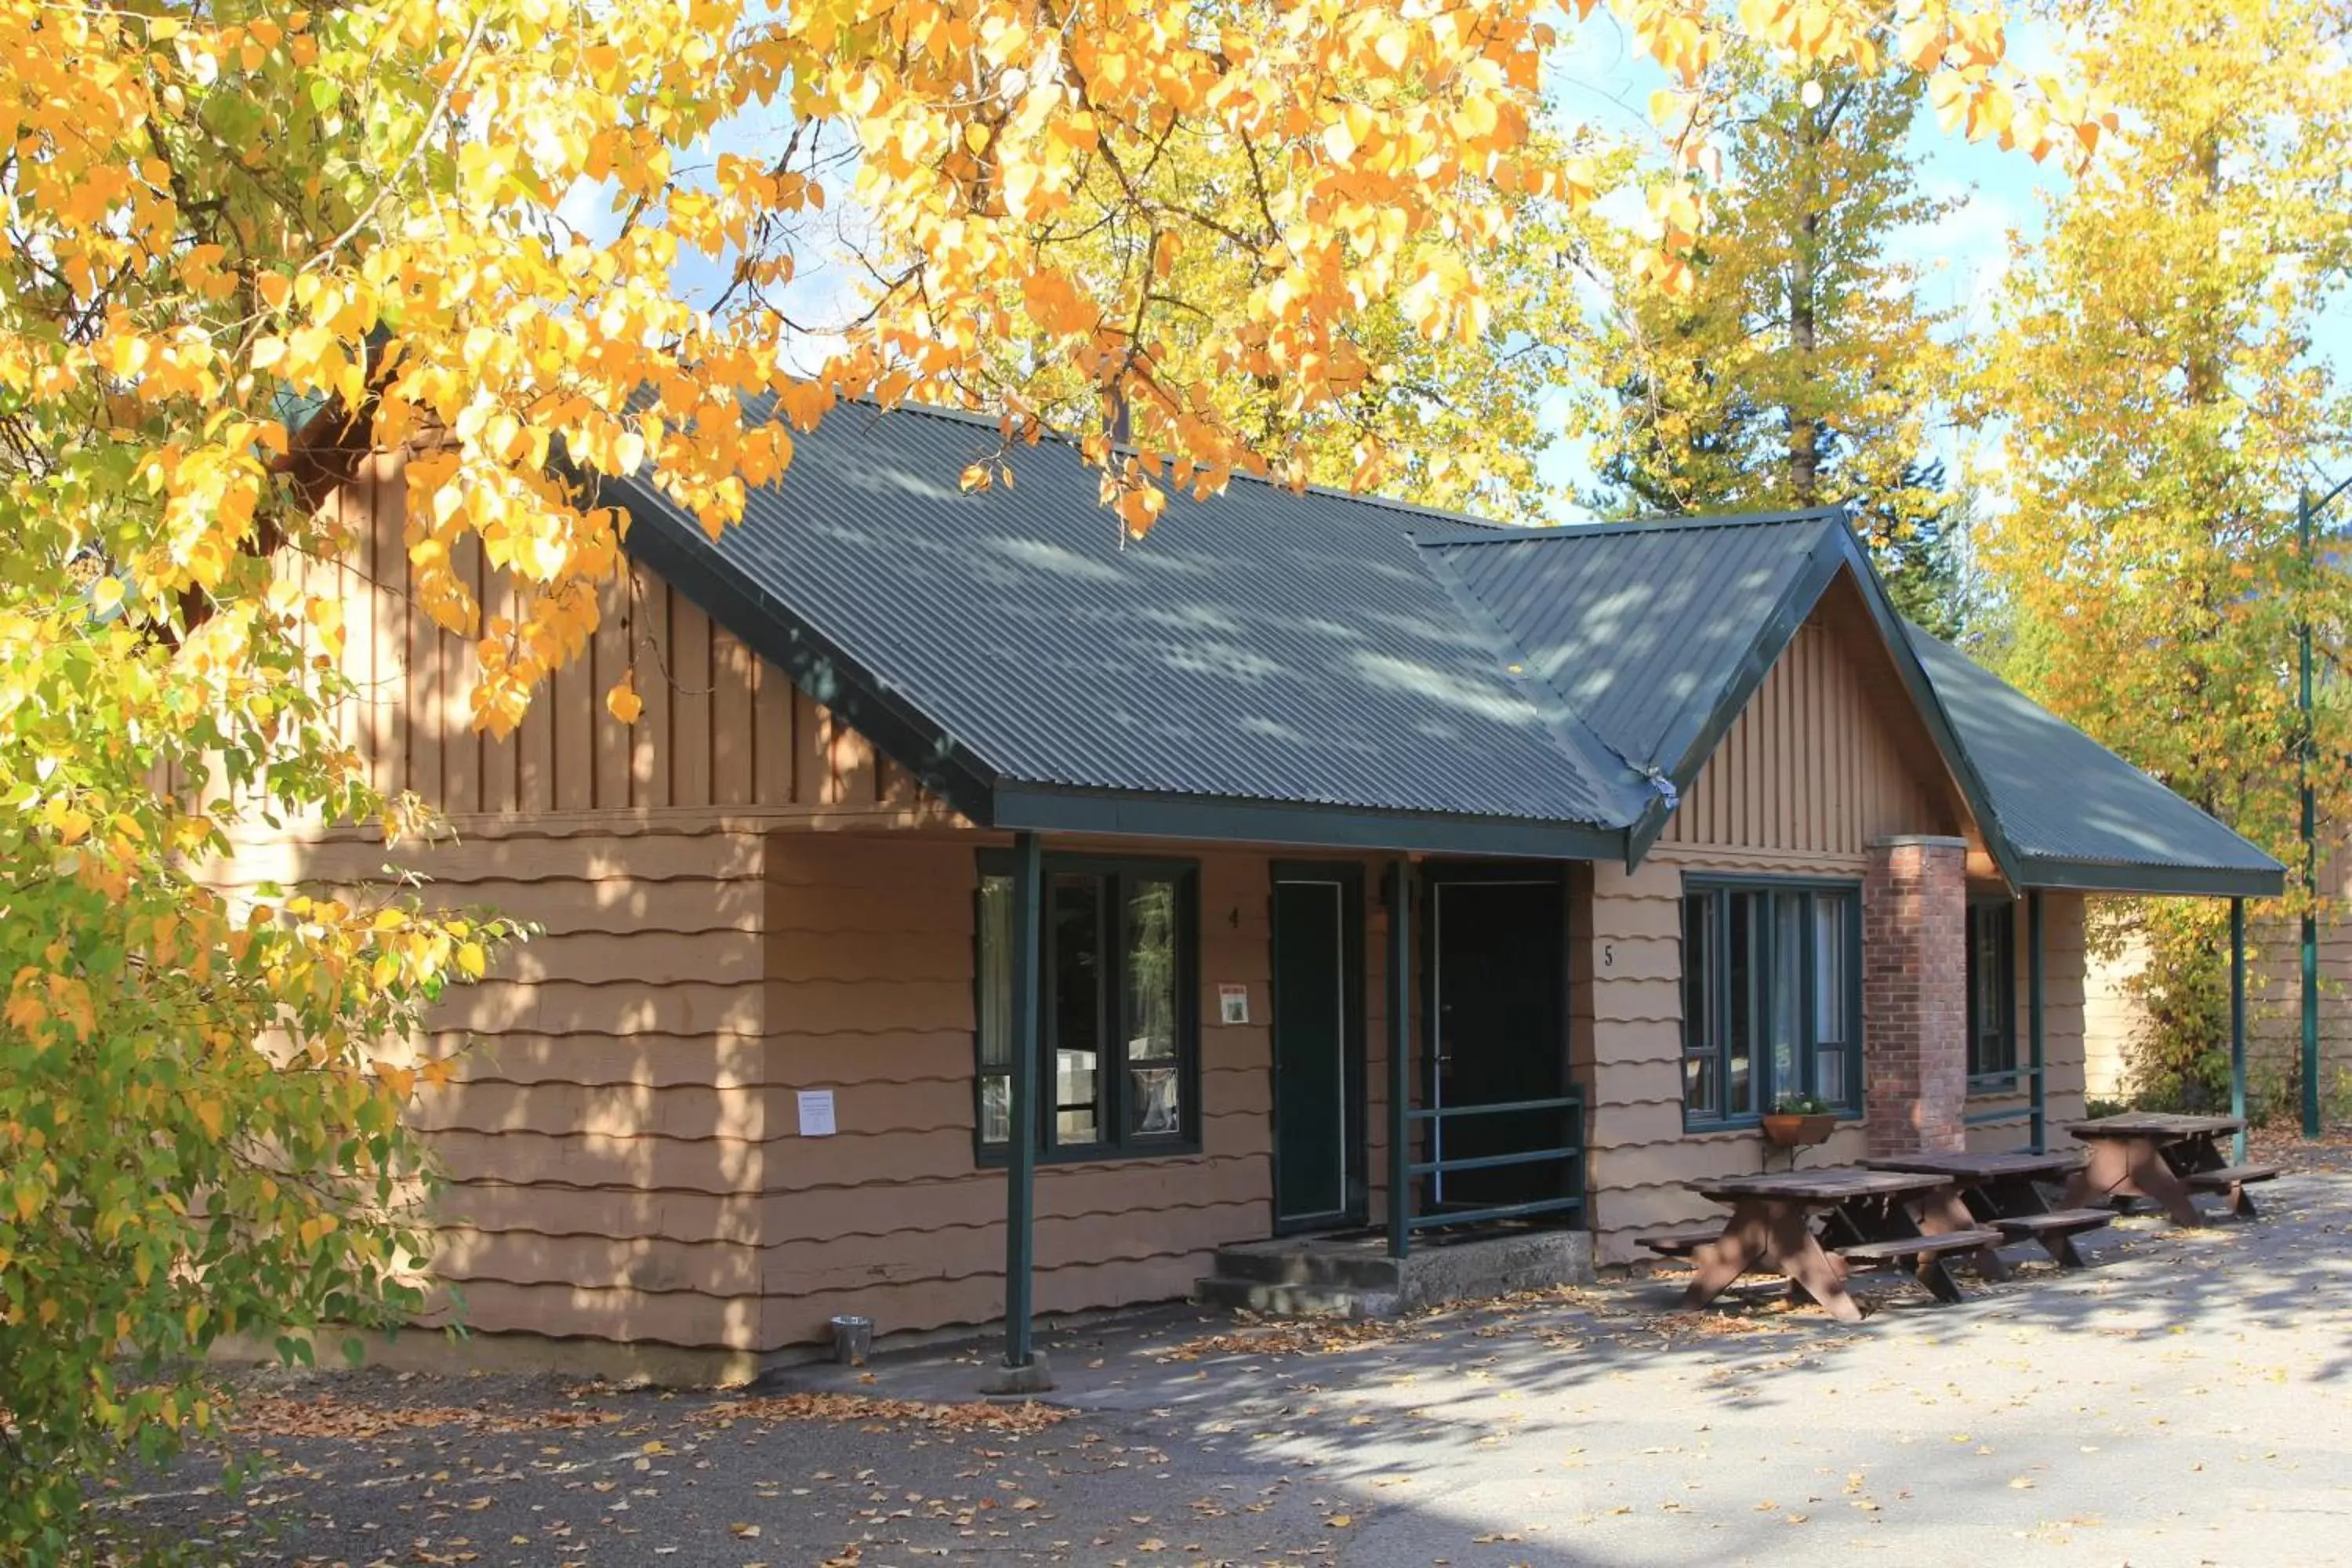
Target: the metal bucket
(853, 1339)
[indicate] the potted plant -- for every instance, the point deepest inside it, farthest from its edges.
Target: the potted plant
(1797, 1121)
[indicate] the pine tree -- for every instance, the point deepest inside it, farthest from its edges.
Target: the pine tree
(1800, 368)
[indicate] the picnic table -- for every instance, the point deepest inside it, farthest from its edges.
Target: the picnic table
(1867, 1217)
(2004, 1191)
(2164, 1158)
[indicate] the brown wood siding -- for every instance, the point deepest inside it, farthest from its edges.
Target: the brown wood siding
(1827, 756)
(611, 1109)
(622, 1139)
(721, 729)
(1627, 927)
(894, 1216)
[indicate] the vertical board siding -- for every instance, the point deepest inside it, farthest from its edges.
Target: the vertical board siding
(720, 730)
(1825, 756)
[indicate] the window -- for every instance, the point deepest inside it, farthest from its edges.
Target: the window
(1770, 999)
(1992, 988)
(1117, 1058)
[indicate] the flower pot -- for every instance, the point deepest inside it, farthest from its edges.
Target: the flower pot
(1791, 1131)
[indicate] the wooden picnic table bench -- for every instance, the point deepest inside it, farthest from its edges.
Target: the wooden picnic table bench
(2004, 1191)
(1866, 1217)
(2164, 1158)
(1682, 1243)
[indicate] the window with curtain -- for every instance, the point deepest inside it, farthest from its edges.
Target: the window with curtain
(1117, 1067)
(1992, 988)
(1770, 1000)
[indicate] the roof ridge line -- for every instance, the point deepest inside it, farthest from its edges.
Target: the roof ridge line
(1466, 521)
(1663, 523)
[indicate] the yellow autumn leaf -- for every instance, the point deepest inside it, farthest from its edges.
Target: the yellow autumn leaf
(622, 700)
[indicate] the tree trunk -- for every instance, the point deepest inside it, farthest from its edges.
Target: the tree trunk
(1804, 430)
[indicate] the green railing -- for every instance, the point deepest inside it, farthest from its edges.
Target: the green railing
(1569, 1156)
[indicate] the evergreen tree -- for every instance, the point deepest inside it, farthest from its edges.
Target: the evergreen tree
(1800, 368)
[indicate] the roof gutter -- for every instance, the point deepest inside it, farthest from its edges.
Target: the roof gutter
(1046, 808)
(2061, 875)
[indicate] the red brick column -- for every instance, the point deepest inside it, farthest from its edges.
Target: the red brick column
(1914, 995)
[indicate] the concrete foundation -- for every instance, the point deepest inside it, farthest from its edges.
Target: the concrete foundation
(1352, 1276)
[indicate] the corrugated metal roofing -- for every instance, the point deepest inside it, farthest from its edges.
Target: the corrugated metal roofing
(1265, 646)
(1335, 653)
(1644, 627)
(2069, 806)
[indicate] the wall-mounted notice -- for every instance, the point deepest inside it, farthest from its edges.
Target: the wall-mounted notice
(1232, 1003)
(816, 1112)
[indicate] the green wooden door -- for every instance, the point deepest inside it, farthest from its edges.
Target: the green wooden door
(1318, 1175)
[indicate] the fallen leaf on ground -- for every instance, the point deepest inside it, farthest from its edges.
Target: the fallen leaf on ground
(883, 1414)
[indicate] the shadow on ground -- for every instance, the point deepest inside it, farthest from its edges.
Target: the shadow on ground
(2185, 1399)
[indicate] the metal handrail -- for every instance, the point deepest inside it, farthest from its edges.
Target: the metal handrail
(1570, 1155)
(1505, 1211)
(1433, 1113)
(1488, 1161)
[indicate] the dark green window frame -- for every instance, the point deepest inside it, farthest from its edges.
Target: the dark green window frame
(1096, 999)
(1737, 968)
(1993, 991)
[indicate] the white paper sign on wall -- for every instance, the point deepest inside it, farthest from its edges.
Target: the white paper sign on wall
(816, 1112)
(1232, 1003)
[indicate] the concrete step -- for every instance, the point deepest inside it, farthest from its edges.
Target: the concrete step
(1315, 1264)
(1292, 1300)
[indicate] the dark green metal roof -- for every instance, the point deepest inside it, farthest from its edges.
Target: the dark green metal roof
(1660, 631)
(1281, 667)
(2076, 815)
(1317, 668)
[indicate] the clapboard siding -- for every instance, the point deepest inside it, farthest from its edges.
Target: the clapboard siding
(1828, 754)
(894, 1208)
(621, 1203)
(611, 1075)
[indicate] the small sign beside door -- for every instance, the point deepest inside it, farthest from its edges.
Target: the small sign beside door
(1232, 1003)
(816, 1112)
